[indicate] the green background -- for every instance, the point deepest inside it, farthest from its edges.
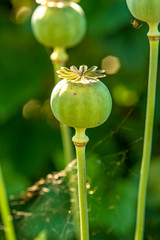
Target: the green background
(30, 142)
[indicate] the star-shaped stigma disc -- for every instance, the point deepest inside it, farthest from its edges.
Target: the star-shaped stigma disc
(81, 75)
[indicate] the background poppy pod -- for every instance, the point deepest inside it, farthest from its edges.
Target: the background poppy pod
(59, 26)
(145, 10)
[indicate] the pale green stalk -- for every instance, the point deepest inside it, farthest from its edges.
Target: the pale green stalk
(59, 58)
(5, 211)
(147, 145)
(80, 140)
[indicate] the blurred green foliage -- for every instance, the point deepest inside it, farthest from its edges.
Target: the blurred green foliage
(30, 142)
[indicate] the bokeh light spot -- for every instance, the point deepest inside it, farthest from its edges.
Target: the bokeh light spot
(124, 96)
(111, 64)
(51, 4)
(60, 5)
(31, 109)
(23, 14)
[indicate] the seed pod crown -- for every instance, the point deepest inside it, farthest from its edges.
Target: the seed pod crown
(83, 74)
(54, 3)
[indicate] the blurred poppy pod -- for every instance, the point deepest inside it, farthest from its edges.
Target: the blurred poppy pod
(145, 10)
(59, 23)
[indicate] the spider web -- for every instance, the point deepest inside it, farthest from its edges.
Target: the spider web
(48, 209)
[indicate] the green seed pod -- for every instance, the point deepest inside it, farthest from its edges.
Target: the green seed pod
(80, 100)
(63, 24)
(145, 10)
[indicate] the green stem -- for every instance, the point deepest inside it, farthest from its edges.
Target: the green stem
(59, 58)
(147, 145)
(80, 140)
(66, 140)
(5, 211)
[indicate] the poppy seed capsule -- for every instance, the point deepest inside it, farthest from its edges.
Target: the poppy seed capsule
(145, 10)
(80, 100)
(63, 26)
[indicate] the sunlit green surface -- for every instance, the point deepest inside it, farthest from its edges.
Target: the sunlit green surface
(30, 147)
